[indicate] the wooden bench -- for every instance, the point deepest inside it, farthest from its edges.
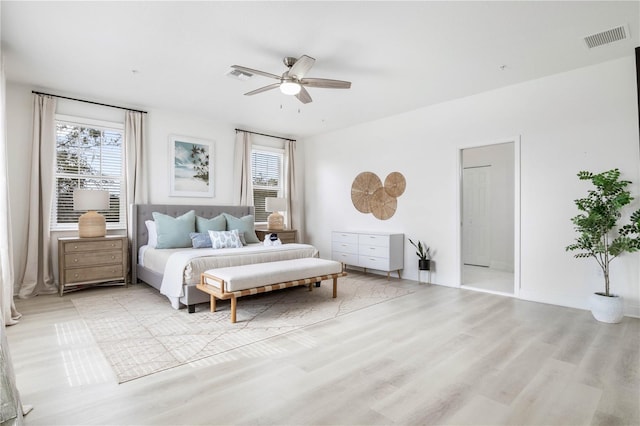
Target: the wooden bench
(237, 281)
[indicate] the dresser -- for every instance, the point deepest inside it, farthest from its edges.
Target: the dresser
(286, 235)
(369, 250)
(86, 261)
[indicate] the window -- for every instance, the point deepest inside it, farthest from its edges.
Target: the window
(266, 174)
(89, 155)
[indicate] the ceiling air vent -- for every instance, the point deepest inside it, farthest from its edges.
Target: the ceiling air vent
(608, 36)
(239, 75)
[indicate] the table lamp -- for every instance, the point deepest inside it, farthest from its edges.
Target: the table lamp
(275, 221)
(92, 223)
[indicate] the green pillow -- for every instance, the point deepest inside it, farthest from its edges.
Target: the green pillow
(244, 224)
(173, 232)
(217, 223)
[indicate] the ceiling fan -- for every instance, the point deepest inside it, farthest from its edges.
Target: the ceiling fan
(292, 81)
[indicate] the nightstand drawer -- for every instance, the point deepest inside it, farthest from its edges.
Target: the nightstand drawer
(92, 258)
(92, 261)
(83, 246)
(99, 273)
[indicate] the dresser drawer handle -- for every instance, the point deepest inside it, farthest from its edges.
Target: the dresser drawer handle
(75, 259)
(75, 275)
(75, 247)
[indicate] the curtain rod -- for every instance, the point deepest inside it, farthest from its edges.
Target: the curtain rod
(262, 134)
(88, 102)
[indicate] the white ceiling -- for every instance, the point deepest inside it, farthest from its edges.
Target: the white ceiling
(399, 56)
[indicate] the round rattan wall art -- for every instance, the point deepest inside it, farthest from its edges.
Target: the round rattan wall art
(395, 184)
(363, 187)
(383, 205)
(368, 195)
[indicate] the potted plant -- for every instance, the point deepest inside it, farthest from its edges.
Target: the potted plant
(424, 255)
(601, 209)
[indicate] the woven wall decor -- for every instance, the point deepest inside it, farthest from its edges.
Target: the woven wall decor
(363, 187)
(395, 184)
(368, 195)
(383, 205)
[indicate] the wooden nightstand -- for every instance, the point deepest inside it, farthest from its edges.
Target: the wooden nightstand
(91, 261)
(286, 235)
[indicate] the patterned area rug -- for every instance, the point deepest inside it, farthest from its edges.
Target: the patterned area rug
(140, 334)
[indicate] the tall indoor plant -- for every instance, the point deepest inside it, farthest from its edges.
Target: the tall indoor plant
(601, 209)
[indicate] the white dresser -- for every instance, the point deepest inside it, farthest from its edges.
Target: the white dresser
(369, 250)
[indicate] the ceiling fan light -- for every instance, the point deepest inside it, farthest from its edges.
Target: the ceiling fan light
(290, 88)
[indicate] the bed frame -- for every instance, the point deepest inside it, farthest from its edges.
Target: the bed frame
(142, 212)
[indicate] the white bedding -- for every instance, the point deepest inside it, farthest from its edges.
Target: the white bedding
(184, 266)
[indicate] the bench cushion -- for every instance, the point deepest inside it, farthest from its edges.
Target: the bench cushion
(260, 274)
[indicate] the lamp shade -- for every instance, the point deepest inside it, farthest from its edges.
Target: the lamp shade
(273, 204)
(90, 199)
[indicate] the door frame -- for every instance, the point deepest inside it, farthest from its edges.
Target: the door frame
(516, 140)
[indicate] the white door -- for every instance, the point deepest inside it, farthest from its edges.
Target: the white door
(476, 225)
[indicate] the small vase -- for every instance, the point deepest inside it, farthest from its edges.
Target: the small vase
(424, 264)
(607, 309)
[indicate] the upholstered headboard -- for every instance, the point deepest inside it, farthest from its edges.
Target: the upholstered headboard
(142, 212)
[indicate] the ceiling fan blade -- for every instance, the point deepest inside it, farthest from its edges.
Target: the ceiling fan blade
(263, 89)
(326, 83)
(304, 96)
(301, 67)
(252, 71)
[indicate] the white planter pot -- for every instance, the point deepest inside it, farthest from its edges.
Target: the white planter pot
(606, 309)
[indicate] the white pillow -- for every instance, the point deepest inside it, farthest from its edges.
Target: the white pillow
(152, 240)
(225, 239)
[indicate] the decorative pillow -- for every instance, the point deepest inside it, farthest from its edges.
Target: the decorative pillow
(225, 239)
(200, 240)
(173, 232)
(244, 224)
(218, 223)
(152, 234)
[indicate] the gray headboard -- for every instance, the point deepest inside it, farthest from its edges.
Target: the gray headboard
(142, 212)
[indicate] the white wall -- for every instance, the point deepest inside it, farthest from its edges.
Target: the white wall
(584, 119)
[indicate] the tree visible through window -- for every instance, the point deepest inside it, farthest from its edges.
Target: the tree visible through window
(266, 174)
(88, 156)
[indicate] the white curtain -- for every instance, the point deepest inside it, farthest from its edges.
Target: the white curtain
(37, 277)
(294, 206)
(243, 186)
(7, 308)
(137, 184)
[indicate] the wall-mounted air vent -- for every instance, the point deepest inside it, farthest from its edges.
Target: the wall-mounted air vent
(239, 75)
(608, 36)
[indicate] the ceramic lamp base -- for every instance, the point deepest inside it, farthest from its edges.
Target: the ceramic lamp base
(92, 224)
(275, 221)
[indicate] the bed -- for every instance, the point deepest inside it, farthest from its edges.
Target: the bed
(176, 272)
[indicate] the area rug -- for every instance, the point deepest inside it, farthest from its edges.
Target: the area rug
(140, 334)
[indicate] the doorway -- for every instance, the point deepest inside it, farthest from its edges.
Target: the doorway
(488, 201)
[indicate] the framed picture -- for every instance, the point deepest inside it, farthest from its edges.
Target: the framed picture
(191, 167)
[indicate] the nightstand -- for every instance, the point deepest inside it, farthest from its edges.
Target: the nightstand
(92, 261)
(286, 235)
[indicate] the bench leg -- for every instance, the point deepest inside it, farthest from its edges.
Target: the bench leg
(213, 303)
(233, 309)
(318, 284)
(191, 308)
(335, 288)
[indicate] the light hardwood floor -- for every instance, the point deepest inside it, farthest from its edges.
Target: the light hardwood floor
(437, 356)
